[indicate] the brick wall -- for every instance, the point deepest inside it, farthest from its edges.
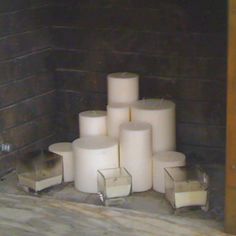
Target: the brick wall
(177, 47)
(27, 89)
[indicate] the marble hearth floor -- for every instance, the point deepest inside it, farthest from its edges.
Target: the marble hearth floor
(149, 206)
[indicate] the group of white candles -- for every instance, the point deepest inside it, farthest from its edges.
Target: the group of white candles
(136, 134)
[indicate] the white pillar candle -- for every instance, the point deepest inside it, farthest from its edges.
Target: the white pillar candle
(136, 153)
(91, 154)
(160, 114)
(117, 114)
(92, 123)
(123, 87)
(162, 160)
(65, 150)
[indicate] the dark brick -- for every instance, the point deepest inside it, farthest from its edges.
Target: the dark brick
(81, 81)
(80, 101)
(29, 132)
(8, 162)
(120, 18)
(21, 67)
(200, 90)
(26, 88)
(201, 135)
(203, 155)
(32, 64)
(68, 123)
(25, 20)
(105, 61)
(213, 113)
(27, 110)
(40, 144)
(176, 88)
(16, 5)
(22, 43)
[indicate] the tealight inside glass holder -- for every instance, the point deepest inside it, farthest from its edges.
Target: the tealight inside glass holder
(186, 187)
(114, 183)
(39, 170)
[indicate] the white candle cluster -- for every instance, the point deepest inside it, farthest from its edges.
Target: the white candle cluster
(91, 154)
(144, 129)
(136, 153)
(123, 87)
(160, 114)
(65, 150)
(92, 123)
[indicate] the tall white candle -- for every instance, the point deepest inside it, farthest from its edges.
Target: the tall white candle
(136, 154)
(160, 114)
(92, 123)
(162, 160)
(91, 154)
(123, 87)
(117, 114)
(65, 150)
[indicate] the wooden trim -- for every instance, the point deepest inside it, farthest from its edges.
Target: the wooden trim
(230, 200)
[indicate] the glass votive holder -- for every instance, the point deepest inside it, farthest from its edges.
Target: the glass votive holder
(39, 170)
(113, 185)
(186, 187)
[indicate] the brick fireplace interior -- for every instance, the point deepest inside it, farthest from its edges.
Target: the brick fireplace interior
(55, 55)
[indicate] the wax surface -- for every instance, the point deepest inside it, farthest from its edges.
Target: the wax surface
(191, 198)
(28, 180)
(162, 160)
(118, 191)
(161, 115)
(136, 154)
(92, 123)
(65, 150)
(91, 154)
(123, 87)
(117, 114)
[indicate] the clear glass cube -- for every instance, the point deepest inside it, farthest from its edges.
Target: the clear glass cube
(114, 183)
(186, 187)
(39, 170)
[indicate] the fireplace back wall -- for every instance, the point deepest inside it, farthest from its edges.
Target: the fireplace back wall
(27, 90)
(178, 48)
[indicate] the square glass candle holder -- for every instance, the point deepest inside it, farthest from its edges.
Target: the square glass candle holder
(39, 170)
(186, 187)
(114, 183)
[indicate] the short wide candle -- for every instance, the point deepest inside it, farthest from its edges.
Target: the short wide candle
(136, 154)
(92, 123)
(65, 150)
(162, 160)
(123, 87)
(91, 154)
(160, 114)
(117, 114)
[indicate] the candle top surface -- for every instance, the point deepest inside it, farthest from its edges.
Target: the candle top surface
(95, 142)
(136, 126)
(153, 104)
(123, 75)
(169, 156)
(92, 114)
(61, 147)
(118, 106)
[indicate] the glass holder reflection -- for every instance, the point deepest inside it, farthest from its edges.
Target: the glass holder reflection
(187, 187)
(39, 170)
(113, 185)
